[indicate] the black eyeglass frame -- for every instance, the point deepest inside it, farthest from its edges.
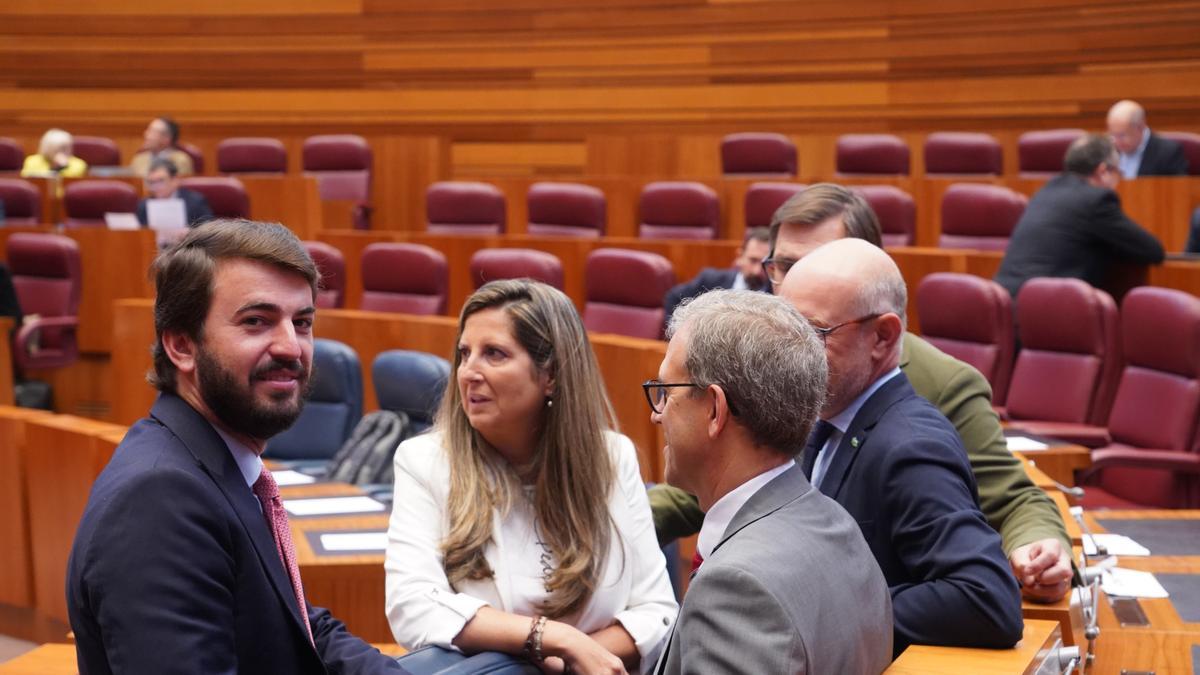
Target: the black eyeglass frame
(824, 333)
(655, 384)
(770, 263)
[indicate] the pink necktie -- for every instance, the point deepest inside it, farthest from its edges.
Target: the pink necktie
(267, 492)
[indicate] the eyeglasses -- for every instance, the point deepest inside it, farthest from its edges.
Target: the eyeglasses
(656, 394)
(776, 270)
(824, 333)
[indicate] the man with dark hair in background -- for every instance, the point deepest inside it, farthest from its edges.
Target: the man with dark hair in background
(1074, 226)
(161, 139)
(162, 182)
(746, 273)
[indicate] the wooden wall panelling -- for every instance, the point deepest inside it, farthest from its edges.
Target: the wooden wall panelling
(917, 263)
(16, 565)
(6, 363)
(405, 166)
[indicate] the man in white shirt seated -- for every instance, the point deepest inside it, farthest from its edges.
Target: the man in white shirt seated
(786, 584)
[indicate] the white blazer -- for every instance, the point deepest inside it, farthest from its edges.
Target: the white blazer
(423, 609)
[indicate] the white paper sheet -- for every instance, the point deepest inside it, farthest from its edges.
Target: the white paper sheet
(1023, 444)
(166, 214)
(355, 541)
(289, 477)
(1131, 584)
(1114, 544)
(328, 506)
(122, 221)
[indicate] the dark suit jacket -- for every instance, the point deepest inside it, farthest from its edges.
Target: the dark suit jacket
(175, 570)
(195, 206)
(1072, 228)
(710, 278)
(901, 472)
(1163, 157)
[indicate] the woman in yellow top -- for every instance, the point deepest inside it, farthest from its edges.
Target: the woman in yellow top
(54, 157)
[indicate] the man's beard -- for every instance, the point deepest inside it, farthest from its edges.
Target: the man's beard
(236, 405)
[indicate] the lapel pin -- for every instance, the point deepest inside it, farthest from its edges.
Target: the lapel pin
(854, 442)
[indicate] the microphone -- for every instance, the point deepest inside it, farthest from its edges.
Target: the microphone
(1076, 492)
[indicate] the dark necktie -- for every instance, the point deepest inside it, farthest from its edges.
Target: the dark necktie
(816, 440)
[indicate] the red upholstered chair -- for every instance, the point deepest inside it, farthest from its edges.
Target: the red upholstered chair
(678, 210)
(1154, 459)
(896, 211)
(46, 275)
(227, 196)
(960, 152)
(1066, 374)
(758, 153)
(465, 207)
(251, 155)
(490, 264)
(342, 164)
(97, 151)
(12, 155)
(86, 201)
(872, 154)
(625, 291)
(408, 278)
(566, 209)
(970, 318)
(22, 202)
(764, 199)
(980, 216)
(332, 266)
(196, 155)
(1191, 148)
(1042, 152)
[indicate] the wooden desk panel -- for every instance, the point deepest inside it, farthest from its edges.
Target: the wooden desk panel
(291, 199)
(48, 659)
(1039, 636)
(16, 565)
(1059, 462)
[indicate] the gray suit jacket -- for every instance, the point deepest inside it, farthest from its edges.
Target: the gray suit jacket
(791, 588)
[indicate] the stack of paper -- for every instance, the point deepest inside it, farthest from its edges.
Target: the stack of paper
(329, 506)
(1114, 544)
(1131, 584)
(1023, 444)
(354, 541)
(289, 477)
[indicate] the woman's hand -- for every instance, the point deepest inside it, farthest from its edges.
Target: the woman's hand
(579, 653)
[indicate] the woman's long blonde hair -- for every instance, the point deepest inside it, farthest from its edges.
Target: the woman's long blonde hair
(571, 469)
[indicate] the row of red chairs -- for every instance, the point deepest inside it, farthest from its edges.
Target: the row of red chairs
(1125, 382)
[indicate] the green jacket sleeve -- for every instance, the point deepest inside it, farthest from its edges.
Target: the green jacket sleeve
(676, 513)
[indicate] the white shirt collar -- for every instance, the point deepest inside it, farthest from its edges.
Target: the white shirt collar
(717, 520)
(739, 283)
(1129, 164)
(248, 461)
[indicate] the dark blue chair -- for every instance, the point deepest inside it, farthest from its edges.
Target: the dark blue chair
(334, 407)
(412, 383)
(441, 661)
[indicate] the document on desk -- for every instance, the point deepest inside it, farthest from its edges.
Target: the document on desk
(1023, 444)
(285, 477)
(332, 506)
(354, 541)
(1114, 544)
(1125, 583)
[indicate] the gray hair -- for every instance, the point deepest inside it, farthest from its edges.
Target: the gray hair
(764, 356)
(886, 293)
(53, 141)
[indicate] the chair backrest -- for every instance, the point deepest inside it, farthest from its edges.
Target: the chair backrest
(1157, 404)
(251, 155)
(335, 404)
(410, 382)
(566, 209)
(195, 154)
(764, 199)
(758, 152)
(678, 210)
(625, 291)
(225, 195)
(465, 207)
(1042, 152)
(961, 152)
(408, 278)
(341, 164)
(86, 201)
(970, 318)
(12, 155)
(47, 277)
(980, 216)
(1191, 148)
(872, 154)
(97, 150)
(332, 266)
(1070, 355)
(896, 211)
(22, 202)
(490, 264)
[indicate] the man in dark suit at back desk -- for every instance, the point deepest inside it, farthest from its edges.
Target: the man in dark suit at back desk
(1075, 227)
(1142, 152)
(162, 182)
(746, 273)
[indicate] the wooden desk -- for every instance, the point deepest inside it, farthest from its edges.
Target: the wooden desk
(1039, 637)
(48, 659)
(1059, 462)
(16, 564)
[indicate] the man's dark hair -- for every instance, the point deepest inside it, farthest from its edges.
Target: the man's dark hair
(172, 128)
(163, 163)
(183, 277)
(818, 203)
(1086, 153)
(762, 234)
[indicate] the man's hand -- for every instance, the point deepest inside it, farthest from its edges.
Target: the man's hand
(1043, 568)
